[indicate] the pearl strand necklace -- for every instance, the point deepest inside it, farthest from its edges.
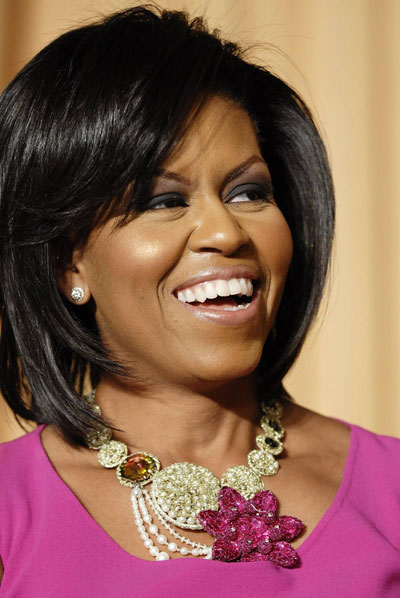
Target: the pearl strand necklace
(143, 517)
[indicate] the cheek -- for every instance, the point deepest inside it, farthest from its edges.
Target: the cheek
(131, 260)
(276, 246)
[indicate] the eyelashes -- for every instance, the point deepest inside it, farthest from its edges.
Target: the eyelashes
(165, 201)
(252, 191)
(247, 193)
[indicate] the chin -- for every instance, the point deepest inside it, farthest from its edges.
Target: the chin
(227, 367)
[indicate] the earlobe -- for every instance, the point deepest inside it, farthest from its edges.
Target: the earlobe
(72, 283)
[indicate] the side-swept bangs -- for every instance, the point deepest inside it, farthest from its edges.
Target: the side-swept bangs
(93, 116)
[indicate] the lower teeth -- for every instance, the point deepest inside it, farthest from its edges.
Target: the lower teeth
(236, 307)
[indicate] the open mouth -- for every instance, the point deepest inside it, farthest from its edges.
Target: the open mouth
(232, 303)
(220, 295)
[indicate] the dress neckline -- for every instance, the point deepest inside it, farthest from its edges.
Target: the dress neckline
(304, 547)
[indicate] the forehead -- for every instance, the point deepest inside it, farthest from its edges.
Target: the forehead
(221, 134)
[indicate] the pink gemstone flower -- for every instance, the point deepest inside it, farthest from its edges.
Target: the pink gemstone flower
(251, 530)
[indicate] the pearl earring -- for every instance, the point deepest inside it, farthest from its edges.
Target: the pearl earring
(77, 294)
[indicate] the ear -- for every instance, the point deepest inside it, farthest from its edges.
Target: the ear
(73, 280)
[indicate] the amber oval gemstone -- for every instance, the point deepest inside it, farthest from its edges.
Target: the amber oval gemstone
(138, 468)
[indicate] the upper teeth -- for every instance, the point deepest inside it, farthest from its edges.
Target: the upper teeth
(216, 288)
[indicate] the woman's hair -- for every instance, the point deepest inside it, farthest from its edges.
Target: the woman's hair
(83, 129)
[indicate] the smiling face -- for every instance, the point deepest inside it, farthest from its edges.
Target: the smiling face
(211, 227)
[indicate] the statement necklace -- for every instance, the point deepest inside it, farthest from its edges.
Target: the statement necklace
(236, 510)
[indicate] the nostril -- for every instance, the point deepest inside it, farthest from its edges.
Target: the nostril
(216, 235)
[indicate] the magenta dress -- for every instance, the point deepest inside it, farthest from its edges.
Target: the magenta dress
(52, 548)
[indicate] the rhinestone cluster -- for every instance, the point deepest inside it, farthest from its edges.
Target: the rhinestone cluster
(244, 479)
(112, 453)
(182, 490)
(251, 530)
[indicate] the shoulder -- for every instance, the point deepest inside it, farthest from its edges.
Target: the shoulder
(373, 481)
(19, 447)
(373, 485)
(378, 441)
(19, 459)
(377, 452)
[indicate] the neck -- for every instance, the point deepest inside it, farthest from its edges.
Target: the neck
(216, 428)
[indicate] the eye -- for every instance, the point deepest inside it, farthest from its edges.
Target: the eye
(251, 192)
(165, 201)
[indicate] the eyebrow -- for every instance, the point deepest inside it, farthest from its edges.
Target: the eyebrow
(239, 170)
(231, 176)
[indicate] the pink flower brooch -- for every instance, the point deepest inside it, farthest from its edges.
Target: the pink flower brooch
(250, 530)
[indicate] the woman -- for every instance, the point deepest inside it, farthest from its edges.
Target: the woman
(167, 218)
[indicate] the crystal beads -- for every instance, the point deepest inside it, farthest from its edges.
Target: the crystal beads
(251, 530)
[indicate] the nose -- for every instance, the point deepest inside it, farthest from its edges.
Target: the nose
(216, 229)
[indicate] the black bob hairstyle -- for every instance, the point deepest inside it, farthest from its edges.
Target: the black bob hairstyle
(94, 114)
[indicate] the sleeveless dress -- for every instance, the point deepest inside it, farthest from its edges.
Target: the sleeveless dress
(51, 547)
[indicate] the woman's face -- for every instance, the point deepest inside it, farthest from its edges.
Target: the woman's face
(211, 227)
